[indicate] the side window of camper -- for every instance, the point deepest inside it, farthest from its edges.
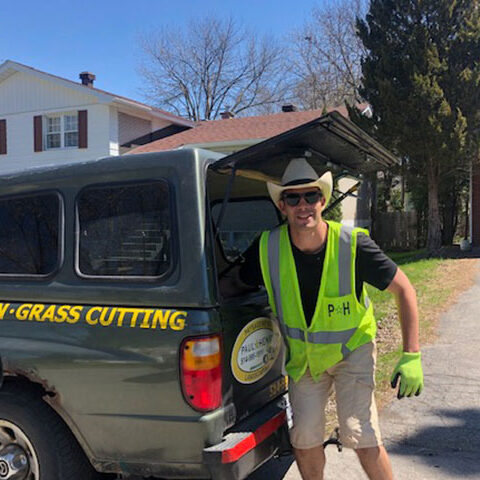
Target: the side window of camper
(243, 221)
(30, 235)
(125, 230)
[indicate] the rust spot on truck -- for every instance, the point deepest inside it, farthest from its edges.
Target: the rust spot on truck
(33, 377)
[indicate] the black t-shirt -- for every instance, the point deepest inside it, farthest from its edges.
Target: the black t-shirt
(371, 266)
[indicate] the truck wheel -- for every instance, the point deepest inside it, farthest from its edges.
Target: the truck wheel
(35, 444)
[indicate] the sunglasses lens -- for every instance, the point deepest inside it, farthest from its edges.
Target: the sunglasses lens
(312, 197)
(292, 199)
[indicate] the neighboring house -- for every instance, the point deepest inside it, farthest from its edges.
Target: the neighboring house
(45, 119)
(231, 134)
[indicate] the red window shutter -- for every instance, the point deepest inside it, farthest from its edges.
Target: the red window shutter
(37, 134)
(3, 137)
(82, 129)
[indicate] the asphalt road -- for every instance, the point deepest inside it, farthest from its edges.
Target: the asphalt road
(435, 436)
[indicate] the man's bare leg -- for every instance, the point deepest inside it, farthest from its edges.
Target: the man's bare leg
(310, 462)
(375, 462)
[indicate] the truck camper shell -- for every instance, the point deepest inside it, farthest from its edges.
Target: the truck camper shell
(113, 326)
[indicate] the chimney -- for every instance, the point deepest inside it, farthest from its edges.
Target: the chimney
(87, 79)
(226, 115)
(289, 107)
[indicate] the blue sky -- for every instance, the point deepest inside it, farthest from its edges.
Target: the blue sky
(65, 38)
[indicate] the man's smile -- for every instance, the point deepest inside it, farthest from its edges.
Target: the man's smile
(305, 215)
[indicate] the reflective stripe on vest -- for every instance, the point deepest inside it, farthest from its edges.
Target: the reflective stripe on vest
(345, 288)
(274, 267)
(345, 262)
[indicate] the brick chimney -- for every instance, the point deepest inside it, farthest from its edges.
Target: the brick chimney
(87, 79)
(289, 107)
(226, 115)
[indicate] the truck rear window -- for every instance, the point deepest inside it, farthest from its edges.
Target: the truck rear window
(244, 220)
(125, 230)
(30, 234)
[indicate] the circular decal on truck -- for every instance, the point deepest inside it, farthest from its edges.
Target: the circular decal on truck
(256, 349)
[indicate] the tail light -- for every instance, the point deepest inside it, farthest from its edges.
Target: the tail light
(201, 372)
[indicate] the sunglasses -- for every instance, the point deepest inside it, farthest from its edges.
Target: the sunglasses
(293, 199)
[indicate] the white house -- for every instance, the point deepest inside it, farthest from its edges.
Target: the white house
(45, 119)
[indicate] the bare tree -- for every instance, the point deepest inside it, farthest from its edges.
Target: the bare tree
(327, 55)
(210, 66)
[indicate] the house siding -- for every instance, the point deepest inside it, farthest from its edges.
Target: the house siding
(130, 127)
(21, 140)
(158, 124)
(113, 144)
(23, 93)
(28, 95)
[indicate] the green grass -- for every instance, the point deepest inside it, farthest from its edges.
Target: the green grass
(400, 258)
(385, 364)
(422, 275)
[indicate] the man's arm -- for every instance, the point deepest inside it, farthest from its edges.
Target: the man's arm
(409, 368)
(381, 272)
(406, 300)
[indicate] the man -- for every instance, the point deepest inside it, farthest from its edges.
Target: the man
(314, 272)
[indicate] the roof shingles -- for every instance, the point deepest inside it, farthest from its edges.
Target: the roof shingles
(235, 129)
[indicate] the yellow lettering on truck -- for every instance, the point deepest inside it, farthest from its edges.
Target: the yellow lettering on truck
(95, 316)
(3, 309)
(89, 315)
(177, 320)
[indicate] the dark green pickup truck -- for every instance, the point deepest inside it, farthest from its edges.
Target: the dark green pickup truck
(119, 354)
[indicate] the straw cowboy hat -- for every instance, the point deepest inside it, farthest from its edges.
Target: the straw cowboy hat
(300, 174)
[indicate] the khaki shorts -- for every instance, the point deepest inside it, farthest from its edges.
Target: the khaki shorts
(354, 382)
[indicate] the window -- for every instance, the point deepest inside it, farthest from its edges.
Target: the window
(30, 234)
(243, 221)
(70, 131)
(125, 230)
(61, 131)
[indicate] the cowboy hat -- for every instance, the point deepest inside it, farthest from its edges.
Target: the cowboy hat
(299, 174)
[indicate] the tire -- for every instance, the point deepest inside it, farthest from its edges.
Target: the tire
(30, 426)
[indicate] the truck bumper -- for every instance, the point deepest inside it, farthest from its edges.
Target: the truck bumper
(249, 444)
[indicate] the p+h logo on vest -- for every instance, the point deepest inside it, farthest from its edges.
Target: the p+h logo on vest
(340, 309)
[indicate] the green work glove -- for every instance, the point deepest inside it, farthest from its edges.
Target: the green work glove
(409, 369)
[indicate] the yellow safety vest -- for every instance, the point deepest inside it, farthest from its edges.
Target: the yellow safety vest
(341, 323)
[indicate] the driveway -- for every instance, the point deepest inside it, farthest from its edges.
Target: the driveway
(435, 436)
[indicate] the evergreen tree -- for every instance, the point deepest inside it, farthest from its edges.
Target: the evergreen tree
(421, 75)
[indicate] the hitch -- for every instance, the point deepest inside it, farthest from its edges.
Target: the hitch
(334, 440)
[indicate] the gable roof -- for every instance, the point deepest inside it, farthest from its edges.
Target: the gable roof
(242, 130)
(10, 67)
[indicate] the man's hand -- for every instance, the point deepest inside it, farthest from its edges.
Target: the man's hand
(409, 370)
